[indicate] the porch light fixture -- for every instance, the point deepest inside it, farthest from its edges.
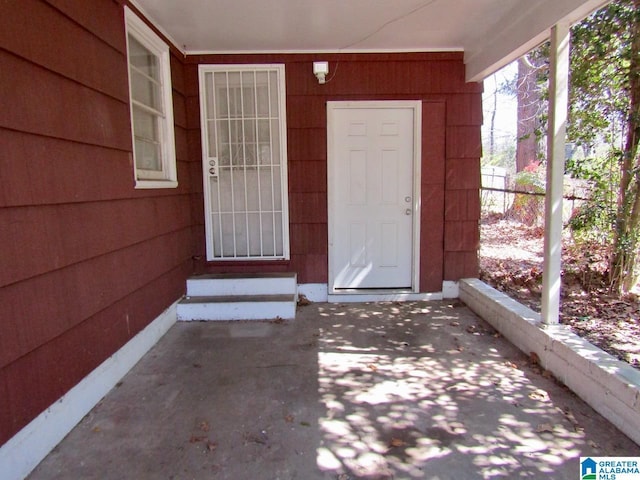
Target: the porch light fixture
(320, 70)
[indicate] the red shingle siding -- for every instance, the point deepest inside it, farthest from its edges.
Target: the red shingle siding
(87, 260)
(451, 118)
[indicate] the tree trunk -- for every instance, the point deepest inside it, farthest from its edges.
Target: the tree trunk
(623, 269)
(492, 147)
(528, 97)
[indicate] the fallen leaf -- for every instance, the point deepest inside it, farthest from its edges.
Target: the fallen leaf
(455, 324)
(211, 446)
(96, 429)
(534, 358)
(372, 367)
(204, 426)
(303, 301)
(289, 418)
(196, 439)
(544, 427)
(397, 442)
(539, 395)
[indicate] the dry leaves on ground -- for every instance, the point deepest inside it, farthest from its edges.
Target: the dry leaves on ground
(511, 259)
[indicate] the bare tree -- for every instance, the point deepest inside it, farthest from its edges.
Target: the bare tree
(529, 99)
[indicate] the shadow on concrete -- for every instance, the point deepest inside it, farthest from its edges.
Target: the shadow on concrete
(375, 391)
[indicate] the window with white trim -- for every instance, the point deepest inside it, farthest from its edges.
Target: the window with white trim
(151, 106)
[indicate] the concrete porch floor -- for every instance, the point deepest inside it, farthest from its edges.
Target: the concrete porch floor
(376, 391)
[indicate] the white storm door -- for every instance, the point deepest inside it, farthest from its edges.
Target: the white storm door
(244, 161)
(372, 204)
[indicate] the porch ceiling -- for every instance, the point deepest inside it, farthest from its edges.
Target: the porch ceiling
(492, 33)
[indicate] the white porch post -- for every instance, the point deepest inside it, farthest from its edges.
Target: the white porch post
(558, 111)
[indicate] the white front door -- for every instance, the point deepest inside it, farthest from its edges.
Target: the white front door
(373, 199)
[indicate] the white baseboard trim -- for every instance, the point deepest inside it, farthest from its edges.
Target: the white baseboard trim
(319, 292)
(383, 297)
(26, 449)
(450, 289)
(316, 292)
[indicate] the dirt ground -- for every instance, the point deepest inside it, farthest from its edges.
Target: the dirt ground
(511, 255)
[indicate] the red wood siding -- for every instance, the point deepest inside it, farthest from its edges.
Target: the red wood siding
(452, 115)
(87, 260)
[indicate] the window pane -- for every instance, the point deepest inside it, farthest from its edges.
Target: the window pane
(273, 91)
(209, 96)
(146, 91)
(226, 232)
(239, 191)
(267, 234)
(252, 190)
(223, 143)
(262, 93)
(254, 234)
(233, 94)
(215, 194)
(143, 60)
(250, 152)
(211, 140)
(266, 183)
(275, 139)
(248, 94)
(145, 125)
(241, 234)
(147, 155)
(277, 196)
(278, 232)
(224, 174)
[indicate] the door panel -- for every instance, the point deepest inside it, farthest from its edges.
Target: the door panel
(371, 206)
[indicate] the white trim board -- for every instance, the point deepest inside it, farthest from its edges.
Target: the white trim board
(383, 297)
(25, 450)
(318, 292)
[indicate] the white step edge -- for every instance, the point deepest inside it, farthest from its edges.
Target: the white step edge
(207, 285)
(237, 308)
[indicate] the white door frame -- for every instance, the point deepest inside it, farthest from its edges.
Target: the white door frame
(416, 107)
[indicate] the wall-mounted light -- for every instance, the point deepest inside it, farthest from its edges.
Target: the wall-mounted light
(320, 70)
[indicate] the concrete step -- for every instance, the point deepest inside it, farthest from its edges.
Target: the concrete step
(237, 307)
(242, 284)
(261, 296)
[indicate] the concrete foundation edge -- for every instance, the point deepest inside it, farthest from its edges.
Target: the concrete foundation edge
(610, 386)
(25, 450)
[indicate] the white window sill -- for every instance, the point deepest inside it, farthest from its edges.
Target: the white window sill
(146, 184)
